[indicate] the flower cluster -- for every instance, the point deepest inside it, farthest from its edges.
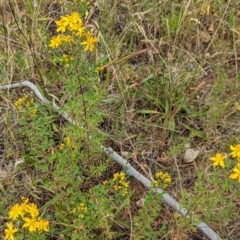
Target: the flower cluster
(24, 103)
(67, 143)
(162, 180)
(120, 183)
(27, 213)
(220, 158)
(65, 59)
(71, 27)
(81, 209)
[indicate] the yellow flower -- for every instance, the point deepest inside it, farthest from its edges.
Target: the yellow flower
(68, 140)
(15, 211)
(99, 69)
(67, 39)
(80, 209)
(74, 21)
(105, 182)
(121, 183)
(125, 184)
(25, 200)
(124, 192)
(55, 42)
(33, 112)
(76, 17)
(62, 146)
(32, 209)
(218, 160)
(89, 43)
(237, 105)
(162, 180)
(23, 102)
(31, 223)
(235, 151)
(66, 59)
(80, 30)
(43, 225)
(236, 174)
(116, 187)
(9, 231)
(24, 204)
(68, 143)
(154, 184)
(62, 24)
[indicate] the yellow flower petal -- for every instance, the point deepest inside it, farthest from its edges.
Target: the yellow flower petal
(233, 175)
(236, 173)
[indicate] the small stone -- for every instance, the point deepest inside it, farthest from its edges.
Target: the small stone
(190, 155)
(140, 202)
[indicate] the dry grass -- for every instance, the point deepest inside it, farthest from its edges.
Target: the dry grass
(171, 79)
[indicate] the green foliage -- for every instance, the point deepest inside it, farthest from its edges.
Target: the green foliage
(206, 199)
(147, 215)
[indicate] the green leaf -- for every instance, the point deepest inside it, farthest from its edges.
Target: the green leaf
(172, 125)
(125, 203)
(109, 100)
(30, 159)
(156, 100)
(124, 224)
(147, 111)
(192, 113)
(40, 90)
(195, 133)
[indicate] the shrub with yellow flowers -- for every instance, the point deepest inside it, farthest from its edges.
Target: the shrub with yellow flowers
(220, 160)
(25, 216)
(162, 180)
